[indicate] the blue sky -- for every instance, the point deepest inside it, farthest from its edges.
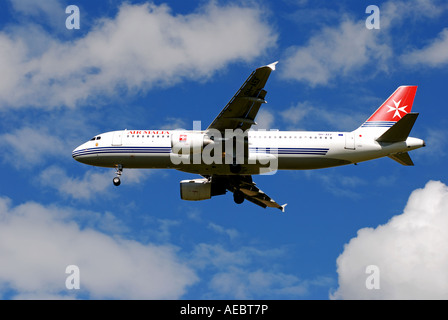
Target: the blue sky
(163, 65)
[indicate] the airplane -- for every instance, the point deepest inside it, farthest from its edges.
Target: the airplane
(229, 152)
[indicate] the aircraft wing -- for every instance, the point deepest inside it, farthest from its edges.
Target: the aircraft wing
(250, 191)
(242, 109)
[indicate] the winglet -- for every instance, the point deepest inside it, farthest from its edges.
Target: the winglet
(283, 207)
(272, 65)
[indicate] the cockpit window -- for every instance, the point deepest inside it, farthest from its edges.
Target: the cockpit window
(93, 139)
(98, 138)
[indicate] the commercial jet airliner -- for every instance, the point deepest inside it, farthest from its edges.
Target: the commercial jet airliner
(227, 153)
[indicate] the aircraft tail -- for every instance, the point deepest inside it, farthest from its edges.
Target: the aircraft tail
(392, 122)
(395, 108)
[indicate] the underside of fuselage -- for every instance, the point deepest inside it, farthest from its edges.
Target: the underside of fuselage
(149, 161)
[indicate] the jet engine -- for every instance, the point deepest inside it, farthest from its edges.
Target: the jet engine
(196, 189)
(200, 189)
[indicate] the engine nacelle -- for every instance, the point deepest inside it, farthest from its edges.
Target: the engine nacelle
(188, 142)
(196, 189)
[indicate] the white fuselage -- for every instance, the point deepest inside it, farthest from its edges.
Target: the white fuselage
(267, 151)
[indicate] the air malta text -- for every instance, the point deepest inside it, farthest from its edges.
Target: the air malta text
(148, 132)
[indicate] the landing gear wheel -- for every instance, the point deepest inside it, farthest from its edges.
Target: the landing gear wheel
(238, 197)
(116, 181)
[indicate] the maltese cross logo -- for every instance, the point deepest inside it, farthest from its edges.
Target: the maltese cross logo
(397, 109)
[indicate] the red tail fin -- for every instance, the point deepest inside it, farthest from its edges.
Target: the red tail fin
(394, 108)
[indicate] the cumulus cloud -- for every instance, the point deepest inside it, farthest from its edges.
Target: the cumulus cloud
(30, 146)
(433, 55)
(409, 252)
(38, 242)
(347, 48)
(336, 51)
(91, 184)
(395, 13)
(145, 45)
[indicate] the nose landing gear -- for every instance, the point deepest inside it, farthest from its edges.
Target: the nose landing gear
(117, 180)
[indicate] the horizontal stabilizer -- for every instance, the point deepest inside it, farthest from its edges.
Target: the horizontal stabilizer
(402, 158)
(400, 130)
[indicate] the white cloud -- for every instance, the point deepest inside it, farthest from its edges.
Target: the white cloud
(264, 120)
(90, 185)
(434, 54)
(337, 184)
(295, 114)
(143, 46)
(336, 51)
(233, 275)
(350, 50)
(305, 116)
(37, 243)
(410, 252)
(50, 10)
(231, 233)
(395, 13)
(436, 145)
(242, 284)
(28, 146)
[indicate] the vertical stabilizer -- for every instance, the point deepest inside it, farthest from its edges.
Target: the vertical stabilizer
(392, 110)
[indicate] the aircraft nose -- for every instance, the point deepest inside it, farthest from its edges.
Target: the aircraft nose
(75, 152)
(78, 151)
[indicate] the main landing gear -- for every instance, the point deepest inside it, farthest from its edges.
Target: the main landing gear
(235, 168)
(117, 180)
(238, 197)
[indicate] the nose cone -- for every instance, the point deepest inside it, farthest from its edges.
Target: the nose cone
(77, 152)
(83, 154)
